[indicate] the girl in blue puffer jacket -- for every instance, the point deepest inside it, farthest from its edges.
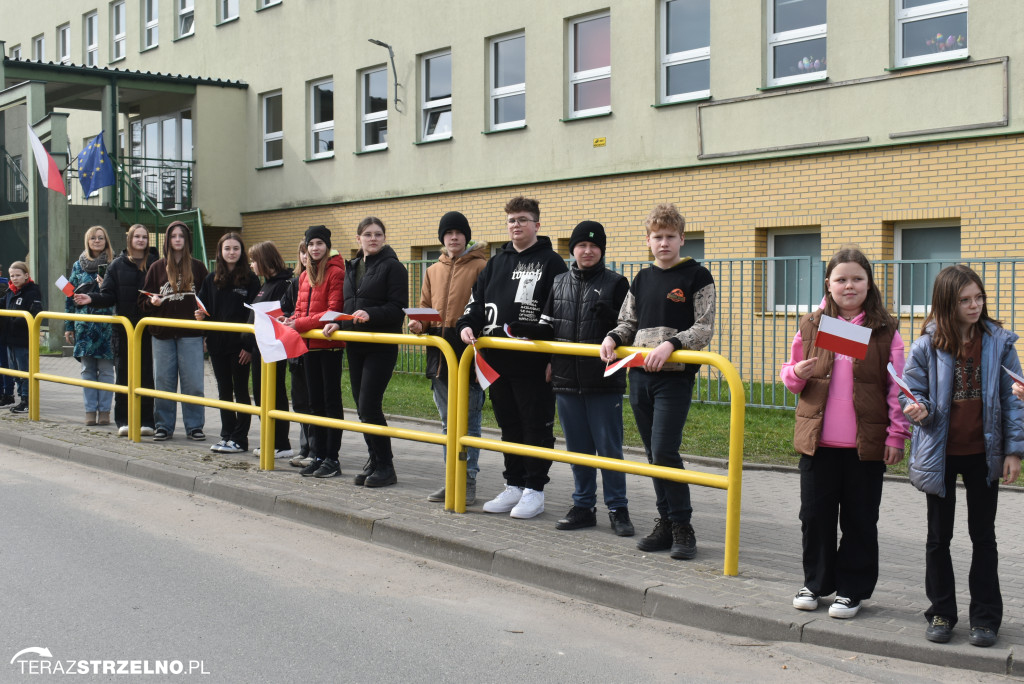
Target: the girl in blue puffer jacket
(967, 423)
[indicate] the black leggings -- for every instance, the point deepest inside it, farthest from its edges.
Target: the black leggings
(370, 367)
(323, 380)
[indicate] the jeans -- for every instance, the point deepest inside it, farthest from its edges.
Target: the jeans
(232, 385)
(837, 488)
(179, 358)
(6, 381)
(476, 403)
(323, 380)
(525, 410)
(97, 370)
(281, 427)
(18, 358)
(121, 373)
(370, 367)
(660, 404)
(592, 424)
(986, 608)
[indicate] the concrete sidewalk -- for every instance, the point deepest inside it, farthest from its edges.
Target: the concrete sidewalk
(590, 564)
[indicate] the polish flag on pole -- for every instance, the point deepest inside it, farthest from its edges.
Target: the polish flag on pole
(65, 286)
(272, 309)
(902, 385)
(48, 171)
(276, 341)
(843, 338)
(485, 375)
(634, 360)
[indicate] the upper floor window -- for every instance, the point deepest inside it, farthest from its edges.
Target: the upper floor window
(321, 111)
(186, 18)
(64, 44)
(930, 247)
(437, 96)
(90, 35)
(150, 23)
(796, 272)
(796, 41)
(227, 10)
(16, 52)
(590, 67)
(117, 30)
(273, 129)
(39, 49)
(268, 3)
(508, 82)
(374, 96)
(930, 31)
(686, 50)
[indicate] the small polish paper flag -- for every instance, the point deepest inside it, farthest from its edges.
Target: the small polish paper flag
(65, 286)
(272, 309)
(48, 171)
(902, 385)
(634, 360)
(202, 307)
(843, 338)
(508, 331)
(149, 294)
(485, 375)
(425, 314)
(333, 316)
(276, 341)
(1016, 378)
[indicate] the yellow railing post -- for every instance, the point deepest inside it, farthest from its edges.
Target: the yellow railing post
(268, 400)
(34, 329)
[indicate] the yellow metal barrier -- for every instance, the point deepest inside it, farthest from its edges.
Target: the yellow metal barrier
(732, 482)
(33, 399)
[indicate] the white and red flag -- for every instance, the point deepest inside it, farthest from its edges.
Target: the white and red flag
(202, 307)
(1016, 377)
(48, 171)
(272, 309)
(902, 385)
(424, 314)
(276, 341)
(842, 338)
(634, 360)
(65, 286)
(335, 316)
(485, 375)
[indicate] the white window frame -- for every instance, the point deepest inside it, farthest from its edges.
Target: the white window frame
(64, 44)
(786, 307)
(577, 77)
(16, 52)
(439, 105)
(322, 126)
(897, 253)
(227, 10)
(372, 117)
(499, 93)
(702, 54)
(939, 8)
(150, 24)
(186, 18)
(91, 39)
(268, 3)
(118, 38)
(800, 35)
(271, 136)
(39, 48)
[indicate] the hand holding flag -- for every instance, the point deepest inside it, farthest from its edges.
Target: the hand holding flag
(634, 360)
(841, 337)
(485, 374)
(901, 383)
(423, 315)
(275, 340)
(65, 286)
(335, 316)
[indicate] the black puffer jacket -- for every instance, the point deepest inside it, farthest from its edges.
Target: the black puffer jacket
(121, 287)
(382, 293)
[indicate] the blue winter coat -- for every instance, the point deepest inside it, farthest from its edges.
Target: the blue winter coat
(929, 374)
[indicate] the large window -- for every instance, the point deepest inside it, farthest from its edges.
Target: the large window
(374, 110)
(590, 68)
(186, 18)
(64, 44)
(227, 10)
(796, 274)
(686, 50)
(117, 30)
(796, 41)
(437, 96)
(90, 38)
(508, 82)
(150, 23)
(39, 49)
(929, 248)
(273, 129)
(321, 118)
(930, 31)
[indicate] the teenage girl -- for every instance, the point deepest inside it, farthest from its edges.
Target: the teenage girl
(967, 423)
(849, 426)
(225, 292)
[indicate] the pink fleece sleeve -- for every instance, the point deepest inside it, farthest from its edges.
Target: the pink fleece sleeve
(788, 375)
(899, 427)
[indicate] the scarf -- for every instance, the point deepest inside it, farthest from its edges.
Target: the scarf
(91, 265)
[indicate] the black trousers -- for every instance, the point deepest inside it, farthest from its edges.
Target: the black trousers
(837, 487)
(300, 402)
(121, 377)
(323, 381)
(281, 427)
(232, 385)
(525, 411)
(370, 367)
(986, 600)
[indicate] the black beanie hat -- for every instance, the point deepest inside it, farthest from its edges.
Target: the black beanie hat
(319, 232)
(454, 220)
(588, 231)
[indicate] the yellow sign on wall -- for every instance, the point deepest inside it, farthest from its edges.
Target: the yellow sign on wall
(599, 142)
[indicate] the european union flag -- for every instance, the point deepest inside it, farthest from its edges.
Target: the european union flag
(95, 170)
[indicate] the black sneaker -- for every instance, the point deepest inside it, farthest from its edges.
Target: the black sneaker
(983, 636)
(622, 526)
(6, 400)
(161, 435)
(20, 408)
(577, 518)
(381, 477)
(367, 470)
(197, 435)
(660, 539)
(309, 470)
(940, 630)
(329, 468)
(684, 542)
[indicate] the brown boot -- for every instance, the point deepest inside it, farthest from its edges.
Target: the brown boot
(103, 418)
(90, 417)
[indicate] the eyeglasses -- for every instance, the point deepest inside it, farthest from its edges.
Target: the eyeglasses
(521, 220)
(967, 301)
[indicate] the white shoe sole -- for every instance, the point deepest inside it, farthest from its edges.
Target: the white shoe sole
(842, 613)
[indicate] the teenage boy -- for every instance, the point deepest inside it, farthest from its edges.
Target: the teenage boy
(512, 288)
(446, 287)
(670, 306)
(583, 305)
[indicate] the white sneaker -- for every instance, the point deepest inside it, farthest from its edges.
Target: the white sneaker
(283, 453)
(122, 431)
(506, 501)
(805, 599)
(530, 505)
(146, 431)
(216, 448)
(843, 608)
(230, 447)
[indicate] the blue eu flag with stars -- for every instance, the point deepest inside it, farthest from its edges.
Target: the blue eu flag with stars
(95, 170)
